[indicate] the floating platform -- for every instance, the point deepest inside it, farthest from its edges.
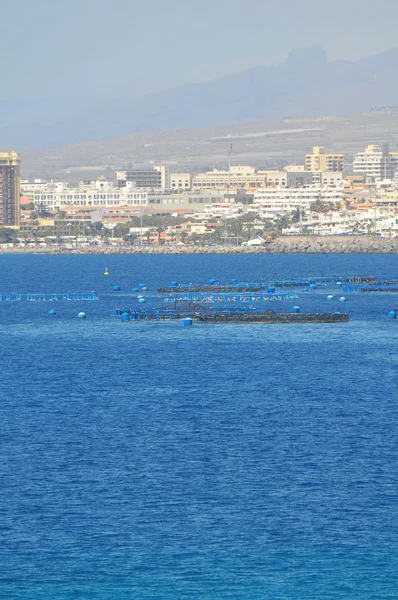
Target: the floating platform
(229, 297)
(46, 297)
(229, 316)
(379, 288)
(316, 281)
(207, 288)
(262, 284)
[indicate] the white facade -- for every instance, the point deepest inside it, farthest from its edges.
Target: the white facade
(164, 176)
(148, 178)
(99, 193)
(194, 200)
(248, 177)
(270, 203)
(375, 164)
(180, 181)
(40, 185)
(223, 210)
(329, 178)
(237, 177)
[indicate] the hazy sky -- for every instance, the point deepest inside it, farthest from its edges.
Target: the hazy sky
(97, 48)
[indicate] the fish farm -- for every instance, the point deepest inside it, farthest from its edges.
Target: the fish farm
(48, 297)
(214, 286)
(237, 298)
(221, 315)
(380, 288)
(234, 301)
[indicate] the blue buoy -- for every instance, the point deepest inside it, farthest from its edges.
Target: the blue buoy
(313, 286)
(271, 289)
(82, 315)
(141, 285)
(187, 321)
(116, 288)
(330, 297)
(392, 314)
(342, 299)
(141, 299)
(135, 290)
(173, 284)
(295, 309)
(212, 281)
(52, 312)
(234, 281)
(337, 313)
(125, 316)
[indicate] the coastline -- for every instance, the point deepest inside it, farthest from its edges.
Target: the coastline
(282, 245)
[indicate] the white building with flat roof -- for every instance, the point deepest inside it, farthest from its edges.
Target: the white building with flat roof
(150, 178)
(270, 203)
(375, 163)
(180, 181)
(236, 177)
(241, 177)
(100, 193)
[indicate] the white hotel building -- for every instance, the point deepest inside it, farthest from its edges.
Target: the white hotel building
(269, 203)
(375, 163)
(99, 193)
(240, 177)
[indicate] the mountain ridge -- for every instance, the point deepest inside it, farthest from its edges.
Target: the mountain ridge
(306, 83)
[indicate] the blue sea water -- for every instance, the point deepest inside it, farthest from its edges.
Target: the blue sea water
(153, 461)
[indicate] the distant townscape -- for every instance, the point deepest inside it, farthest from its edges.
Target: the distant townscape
(240, 205)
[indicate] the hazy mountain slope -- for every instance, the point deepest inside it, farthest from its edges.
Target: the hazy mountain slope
(307, 84)
(259, 143)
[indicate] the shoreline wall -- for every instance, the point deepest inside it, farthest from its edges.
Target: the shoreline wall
(282, 245)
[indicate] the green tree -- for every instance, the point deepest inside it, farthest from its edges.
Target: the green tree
(96, 228)
(7, 235)
(122, 230)
(282, 222)
(319, 207)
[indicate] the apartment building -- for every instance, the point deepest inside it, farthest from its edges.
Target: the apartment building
(194, 200)
(375, 163)
(150, 178)
(319, 160)
(10, 182)
(223, 210)
(245, 177)
(100, 193)
(270, 203)
(180, 181)
(236, 177)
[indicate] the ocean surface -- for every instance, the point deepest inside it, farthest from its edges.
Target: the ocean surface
(152, 461)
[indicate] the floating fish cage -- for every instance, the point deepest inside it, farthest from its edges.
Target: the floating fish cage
(228, 316)
(315, 281)
(210, 298)
(382, 288)
(207, 288)
(261, 285)
(6, 297)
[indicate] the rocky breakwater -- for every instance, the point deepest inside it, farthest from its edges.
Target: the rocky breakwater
(334, 244)
(364, 244)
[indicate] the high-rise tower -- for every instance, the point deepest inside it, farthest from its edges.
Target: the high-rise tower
(10, 183)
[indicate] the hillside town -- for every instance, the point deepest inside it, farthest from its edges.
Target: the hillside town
(238, 206)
